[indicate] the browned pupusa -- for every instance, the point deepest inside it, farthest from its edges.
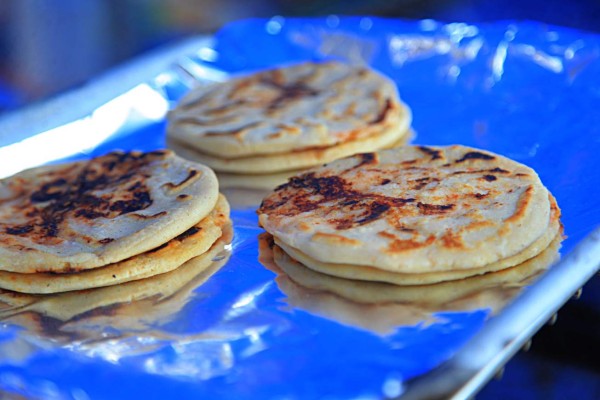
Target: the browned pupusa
(439, 295)
(87, 214)
(288, 108)
(368, 273)
(413, 209)
(162, 259)
(258, 129)
(75, 192)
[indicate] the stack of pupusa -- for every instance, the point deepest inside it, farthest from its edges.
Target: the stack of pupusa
(113, 219)
(429, 223)
(257, 130)
(382, 308)
(140, 305)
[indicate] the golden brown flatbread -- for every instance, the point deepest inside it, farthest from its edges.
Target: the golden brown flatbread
(131, 307)
(289, 108)
(87, 214)
(167, 257)
(365, 273)
(412, 209)
(385, 318)
(439, 295)
(268, 125)
(270, 180)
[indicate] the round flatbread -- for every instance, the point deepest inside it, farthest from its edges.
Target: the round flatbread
(365, 273)
(87, 214)
(288, 108)
(438, 294)
(133, 305)
(193, 242)
(381, 318)
(378, 318)
(297, 159)
(412, 209)
(267, 181)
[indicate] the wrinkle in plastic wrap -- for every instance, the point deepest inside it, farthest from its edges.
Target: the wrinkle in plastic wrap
(240, 330)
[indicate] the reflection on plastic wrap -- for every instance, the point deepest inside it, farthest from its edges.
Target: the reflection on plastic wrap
(382, 307)
(226, 322)
(114, 321)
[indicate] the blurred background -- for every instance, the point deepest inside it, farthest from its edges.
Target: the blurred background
(47, 47)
